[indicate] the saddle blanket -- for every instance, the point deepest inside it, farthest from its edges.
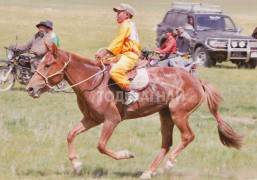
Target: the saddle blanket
(141, 80)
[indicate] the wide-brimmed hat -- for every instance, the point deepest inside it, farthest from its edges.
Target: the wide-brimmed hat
(48, 24)
(125, 7)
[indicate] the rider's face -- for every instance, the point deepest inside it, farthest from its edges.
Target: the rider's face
(121, 16)
(167, 34)
(42, 29)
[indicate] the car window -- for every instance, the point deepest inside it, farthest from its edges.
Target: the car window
(208, 22)
(170, 19)
(180, 20)
(229, 24)
(175, 19)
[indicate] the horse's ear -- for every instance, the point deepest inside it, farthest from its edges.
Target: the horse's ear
(51, 46)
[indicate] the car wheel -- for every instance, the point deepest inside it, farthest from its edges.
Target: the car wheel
(251, 64)
(202, 57)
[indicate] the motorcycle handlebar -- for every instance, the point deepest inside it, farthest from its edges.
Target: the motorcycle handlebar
(16, 50)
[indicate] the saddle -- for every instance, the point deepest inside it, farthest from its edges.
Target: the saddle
(138, 76)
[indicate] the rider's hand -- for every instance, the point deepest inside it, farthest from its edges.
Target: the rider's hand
(101, 54)
(97, 57)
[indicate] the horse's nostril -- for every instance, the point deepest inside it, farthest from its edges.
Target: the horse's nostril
(30, 89)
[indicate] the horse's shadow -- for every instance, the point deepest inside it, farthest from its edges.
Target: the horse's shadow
(128, 174)
(101, 172)
(19, 88)
(224, 66)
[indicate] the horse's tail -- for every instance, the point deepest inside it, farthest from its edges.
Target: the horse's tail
(227, 136)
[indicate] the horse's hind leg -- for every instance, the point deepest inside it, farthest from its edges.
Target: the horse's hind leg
(83, 126)
(166, 131)
(180, 118)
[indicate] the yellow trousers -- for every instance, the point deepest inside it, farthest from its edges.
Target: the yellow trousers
(126, 62)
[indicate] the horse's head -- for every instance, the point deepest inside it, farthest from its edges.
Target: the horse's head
(50, 71)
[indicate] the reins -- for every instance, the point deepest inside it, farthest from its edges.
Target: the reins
(62, 71)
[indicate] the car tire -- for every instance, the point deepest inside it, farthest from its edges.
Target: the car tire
(251, 64)
(202, 57)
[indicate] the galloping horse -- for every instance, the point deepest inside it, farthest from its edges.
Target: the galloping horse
(97, 100)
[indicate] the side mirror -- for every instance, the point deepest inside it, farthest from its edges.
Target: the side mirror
(239, 30)
(16, 40)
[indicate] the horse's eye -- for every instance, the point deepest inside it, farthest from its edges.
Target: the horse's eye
(47, 65)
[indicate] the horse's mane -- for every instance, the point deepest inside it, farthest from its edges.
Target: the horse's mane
(77, 57)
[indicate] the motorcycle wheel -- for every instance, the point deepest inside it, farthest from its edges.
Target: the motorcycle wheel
(10, 81)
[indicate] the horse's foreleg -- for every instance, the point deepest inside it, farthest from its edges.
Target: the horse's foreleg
(180, 118)
(82, 126)
(107, 131)
(166, 131)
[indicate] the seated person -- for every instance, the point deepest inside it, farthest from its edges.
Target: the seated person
(169, 48)
(183, 45)
(190, 23)
(126, 48)
(183, 42)
(36, 45)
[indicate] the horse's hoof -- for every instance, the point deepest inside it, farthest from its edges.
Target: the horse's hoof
(146, 175)
(77, 167)
(125, 155)
(130, 155)
(168, 167)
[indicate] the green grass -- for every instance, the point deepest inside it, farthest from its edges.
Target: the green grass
(33, 132)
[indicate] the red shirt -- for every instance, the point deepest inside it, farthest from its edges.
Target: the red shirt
(169, 47)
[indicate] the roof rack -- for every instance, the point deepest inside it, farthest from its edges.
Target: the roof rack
(197, 7)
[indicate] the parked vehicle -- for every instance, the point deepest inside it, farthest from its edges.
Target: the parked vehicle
(16, 68)
(214, 36)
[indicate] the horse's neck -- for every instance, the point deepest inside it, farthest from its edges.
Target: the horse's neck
(77, 71)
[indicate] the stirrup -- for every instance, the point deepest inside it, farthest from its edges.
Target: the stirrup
(131, 97)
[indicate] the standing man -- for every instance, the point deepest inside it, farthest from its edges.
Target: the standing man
(183, 42)
(126, 49)
(36, 45)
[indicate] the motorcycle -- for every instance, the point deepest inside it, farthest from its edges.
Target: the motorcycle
(153, 59)
(18, 67)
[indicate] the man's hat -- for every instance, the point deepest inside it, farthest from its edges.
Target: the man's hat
(125, 7)
(48, 24)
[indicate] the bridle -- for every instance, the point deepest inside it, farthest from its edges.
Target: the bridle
(62, 71)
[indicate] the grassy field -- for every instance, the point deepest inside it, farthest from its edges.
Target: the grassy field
(33, 132)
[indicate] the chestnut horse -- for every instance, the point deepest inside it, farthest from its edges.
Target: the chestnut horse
(172, 92)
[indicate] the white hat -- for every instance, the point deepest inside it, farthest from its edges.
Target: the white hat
(125, 7)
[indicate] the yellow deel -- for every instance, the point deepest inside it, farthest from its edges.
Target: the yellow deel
(127, 49)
